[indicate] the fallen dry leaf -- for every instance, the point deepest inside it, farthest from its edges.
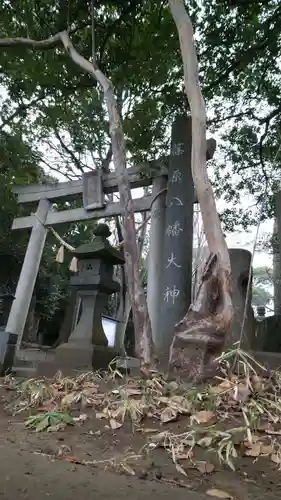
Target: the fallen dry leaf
(130, 391)
(226, 384)
(181, 404)
(276, 458)
(267, 449)
(275, 433)
(254, 450)
(163, 399)
(257, 383)
(241, 393)
(180, 469)
(205, 442)
(216, 389)
(146, 430)
(100, 415)
(214, 492)
(168, 415)
(203, 417)
(114, 424)
(184, 456)
(205, 467)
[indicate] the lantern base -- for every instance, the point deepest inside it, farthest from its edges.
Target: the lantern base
(69, 358)
(72, 358)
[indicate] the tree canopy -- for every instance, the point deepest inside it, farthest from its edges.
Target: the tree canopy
(60, 111)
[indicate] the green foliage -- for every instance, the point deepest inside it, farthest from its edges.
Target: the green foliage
(53, 116)
(49, 421)
(136, 44)
(20, 165)
(262, 286)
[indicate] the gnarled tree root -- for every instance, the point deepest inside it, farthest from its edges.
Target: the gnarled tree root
(200, 336)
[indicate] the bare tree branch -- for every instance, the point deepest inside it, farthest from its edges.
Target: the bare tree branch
(58, 170)
(21, 109)
(49, 43)
(68, 151)
(201, 334)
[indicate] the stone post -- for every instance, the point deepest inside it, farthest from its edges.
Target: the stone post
(178, 241)
(20, 307)
(28, 275)
(155, 257)
(240, 260)
(276, 247)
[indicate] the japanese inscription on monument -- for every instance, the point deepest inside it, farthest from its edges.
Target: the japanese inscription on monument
(177, 272)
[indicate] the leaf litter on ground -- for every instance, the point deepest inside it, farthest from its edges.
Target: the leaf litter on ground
(209, 411)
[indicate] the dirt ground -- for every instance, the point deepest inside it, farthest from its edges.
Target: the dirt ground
(48, 464)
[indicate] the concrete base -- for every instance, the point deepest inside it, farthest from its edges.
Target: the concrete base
(69, 358)
(72, 358)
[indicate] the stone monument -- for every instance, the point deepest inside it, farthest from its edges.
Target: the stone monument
(240, 261)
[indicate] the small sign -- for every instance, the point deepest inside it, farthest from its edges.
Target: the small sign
(93, 195)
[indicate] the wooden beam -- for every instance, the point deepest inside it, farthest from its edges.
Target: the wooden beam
(139, 176)
(80, 214)
(93, 192)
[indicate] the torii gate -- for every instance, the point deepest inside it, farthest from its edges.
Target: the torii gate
(91, 188)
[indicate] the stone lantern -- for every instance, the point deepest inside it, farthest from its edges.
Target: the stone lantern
(94, 283)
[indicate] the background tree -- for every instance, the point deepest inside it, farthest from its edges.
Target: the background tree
(238, 53)
(262, 286)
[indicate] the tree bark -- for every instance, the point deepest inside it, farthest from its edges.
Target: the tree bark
(201, 334)
(143, 335)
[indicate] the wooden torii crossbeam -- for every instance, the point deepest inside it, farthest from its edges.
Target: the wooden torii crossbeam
(97, 186)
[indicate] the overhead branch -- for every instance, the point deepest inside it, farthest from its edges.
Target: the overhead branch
(215, 121)
(275, 112)
(49, 43)
(127, 11)
(243, 58)
(21, 109)
(58, 170)
(68, 150)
